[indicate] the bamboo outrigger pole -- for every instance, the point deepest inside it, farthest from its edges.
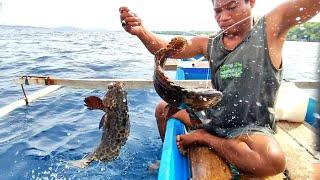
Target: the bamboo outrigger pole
(40, 93)
(103, 83)
(131, 83)
(56, 83)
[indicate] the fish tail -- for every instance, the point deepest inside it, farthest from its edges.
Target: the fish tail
(81, 163)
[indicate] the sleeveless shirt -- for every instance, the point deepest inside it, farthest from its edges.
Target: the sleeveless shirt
(249, 83)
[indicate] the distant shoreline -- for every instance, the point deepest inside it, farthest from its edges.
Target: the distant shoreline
(307, 32)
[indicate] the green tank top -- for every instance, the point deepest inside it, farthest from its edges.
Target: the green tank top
(249, 83)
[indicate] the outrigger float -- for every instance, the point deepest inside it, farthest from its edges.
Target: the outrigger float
(297, 139)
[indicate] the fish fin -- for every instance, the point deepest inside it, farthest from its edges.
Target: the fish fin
(93, 102)
(81, 163)
(102, 121)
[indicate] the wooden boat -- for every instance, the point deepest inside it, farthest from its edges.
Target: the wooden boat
(296, 139)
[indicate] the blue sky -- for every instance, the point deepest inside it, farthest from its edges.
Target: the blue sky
(91, 14)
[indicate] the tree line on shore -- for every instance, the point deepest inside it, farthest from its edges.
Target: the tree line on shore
(309, 31)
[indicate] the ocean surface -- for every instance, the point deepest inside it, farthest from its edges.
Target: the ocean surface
(36, 140)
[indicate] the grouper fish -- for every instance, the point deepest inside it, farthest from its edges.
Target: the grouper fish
(114, 123)
(197, 99)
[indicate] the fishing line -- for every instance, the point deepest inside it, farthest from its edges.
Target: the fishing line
(211, 47)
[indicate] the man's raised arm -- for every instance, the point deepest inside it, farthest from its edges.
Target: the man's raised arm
(133, 25)
(291, 13)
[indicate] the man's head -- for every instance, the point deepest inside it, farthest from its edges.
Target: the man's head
(229, 12)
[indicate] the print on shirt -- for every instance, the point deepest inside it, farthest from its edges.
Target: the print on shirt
(233, 70)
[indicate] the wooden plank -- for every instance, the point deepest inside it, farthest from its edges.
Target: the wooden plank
(40, 93)
(207, 165)
(307, 84)
(299, 160)
(302, 134)
(103, 83)
(171, 65)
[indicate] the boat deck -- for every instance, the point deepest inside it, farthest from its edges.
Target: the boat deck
(297, 140)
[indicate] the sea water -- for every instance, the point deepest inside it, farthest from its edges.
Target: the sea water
(36, 140)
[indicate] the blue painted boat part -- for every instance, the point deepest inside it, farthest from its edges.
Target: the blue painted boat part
(173, 165)
(311, 112)
(193, 73)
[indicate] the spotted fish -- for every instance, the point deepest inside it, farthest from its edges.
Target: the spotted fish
(197, 99)
(115, 123)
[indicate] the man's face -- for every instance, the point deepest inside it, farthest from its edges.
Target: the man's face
(228, 12)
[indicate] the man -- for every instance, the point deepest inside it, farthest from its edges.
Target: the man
(246, 66)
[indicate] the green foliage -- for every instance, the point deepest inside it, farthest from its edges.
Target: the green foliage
(309, 31)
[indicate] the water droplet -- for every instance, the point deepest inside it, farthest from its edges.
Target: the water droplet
(240, 100)
(235, 105)
(301, 9)
(298, 18)
(258, 104)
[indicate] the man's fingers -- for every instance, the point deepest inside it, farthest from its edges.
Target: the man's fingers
(131, 21)
(124, 15)
(128, 16)
(132, 24)
(124, 8)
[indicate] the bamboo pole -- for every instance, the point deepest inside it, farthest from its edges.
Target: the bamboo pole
(40, 93)
(103, 83)
(131, 83)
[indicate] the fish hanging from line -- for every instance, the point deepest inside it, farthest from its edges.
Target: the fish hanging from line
(115, 125)
(197, 99)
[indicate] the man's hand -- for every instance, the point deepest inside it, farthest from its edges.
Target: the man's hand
(130, 21)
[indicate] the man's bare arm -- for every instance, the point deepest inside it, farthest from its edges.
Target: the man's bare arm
(133, 25)
(291, 13)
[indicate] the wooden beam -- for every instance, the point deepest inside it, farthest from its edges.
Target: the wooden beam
(103, 83)
(307, 84)
(129, 83)
(40, 93)
(171, 65)
(207, 165)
